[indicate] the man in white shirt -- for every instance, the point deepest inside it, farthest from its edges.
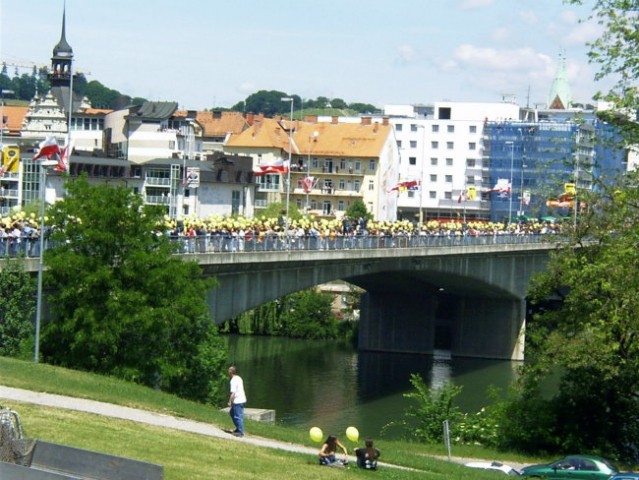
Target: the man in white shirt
(237, 400)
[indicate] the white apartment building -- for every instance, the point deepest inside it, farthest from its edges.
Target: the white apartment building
(441, 147)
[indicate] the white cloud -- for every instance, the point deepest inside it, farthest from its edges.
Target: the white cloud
(529, 17)
(473, 4)
(493, 59)
(583, 33)
(500, 34)
(406, 53)
(247, 87)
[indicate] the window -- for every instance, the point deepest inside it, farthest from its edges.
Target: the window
(444, 113)
(342, 164)
(472, 129)
(472, 146)
(433, 161)
(413, 144)
(470, 180)
(448, 195)
(399, 144)
(411, 193)
(371, 166)
(172, 144)
(434, 128)
(450, 145)
(450, 128)
(449, 162)
(470, 162)
(433, 178)
(358, 166)
(315, 163)
(371, 185)
(432, 195)
(235, 202)
(412, 160)
(434, 145)
(357, 185)
(340, 205)
(398, 127)
(413, 127)
(449, 179)
(342, 184)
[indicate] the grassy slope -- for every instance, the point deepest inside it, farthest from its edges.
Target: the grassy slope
(189, 456)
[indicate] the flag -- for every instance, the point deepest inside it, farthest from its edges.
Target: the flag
(502, 187)
(63, 160)
(471, 193)
(407, 185)
(308, 183)
(279, 166)
(11, 158)
(570, 189)
(48, 148)
(462, 196)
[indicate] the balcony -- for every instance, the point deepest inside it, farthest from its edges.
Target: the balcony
(158, 181)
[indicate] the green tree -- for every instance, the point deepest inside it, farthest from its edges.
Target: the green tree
(423, 421)
(307, 314)
(124, 305)
(17, 308)
(358, 209)
(590, 338)
(268, 102)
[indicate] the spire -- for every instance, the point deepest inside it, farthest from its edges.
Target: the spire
(63, 49)
(560, 97)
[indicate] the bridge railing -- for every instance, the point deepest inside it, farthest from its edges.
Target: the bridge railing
(212, 243)
(236, 244)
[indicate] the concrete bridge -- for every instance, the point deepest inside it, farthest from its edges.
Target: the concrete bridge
(468, 294)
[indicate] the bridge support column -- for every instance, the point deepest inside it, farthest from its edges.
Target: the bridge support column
(396, 323)
(489, 328)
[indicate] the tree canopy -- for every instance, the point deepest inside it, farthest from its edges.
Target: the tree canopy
(122, 303)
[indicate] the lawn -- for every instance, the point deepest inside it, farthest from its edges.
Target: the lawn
(192, 456)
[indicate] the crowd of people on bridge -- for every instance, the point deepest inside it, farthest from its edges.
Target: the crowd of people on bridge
(20, 232)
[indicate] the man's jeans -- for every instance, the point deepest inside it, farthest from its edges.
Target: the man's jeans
(237, 415)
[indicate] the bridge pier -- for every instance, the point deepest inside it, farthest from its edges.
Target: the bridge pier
(395, 323)
(488, 327)
(482, 327)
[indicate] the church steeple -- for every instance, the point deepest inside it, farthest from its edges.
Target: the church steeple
(560, 97)
(60, 75)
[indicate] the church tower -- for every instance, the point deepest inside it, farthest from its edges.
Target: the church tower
(60, 78)
(560, 97)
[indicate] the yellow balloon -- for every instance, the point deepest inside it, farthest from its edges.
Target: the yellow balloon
(316, 434)
(352, 434)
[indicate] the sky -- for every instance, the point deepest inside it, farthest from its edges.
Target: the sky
(207, 53)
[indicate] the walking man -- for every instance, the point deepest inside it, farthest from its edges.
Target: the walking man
(237, 400)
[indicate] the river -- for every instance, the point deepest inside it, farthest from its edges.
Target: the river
(332, 386)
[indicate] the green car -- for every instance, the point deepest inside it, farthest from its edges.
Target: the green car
(575, 467)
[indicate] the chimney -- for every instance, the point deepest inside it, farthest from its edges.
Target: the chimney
(334, 119)
(385, 121)
(217, 114)
(366, 120)
(250, 118)
(310, 118)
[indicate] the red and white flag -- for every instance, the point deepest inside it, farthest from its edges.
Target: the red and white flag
(502, 187)
(48, 148)
(63, 160)
(279, 166)
(308, 183)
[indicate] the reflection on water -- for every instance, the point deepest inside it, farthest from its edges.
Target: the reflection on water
(332, 386)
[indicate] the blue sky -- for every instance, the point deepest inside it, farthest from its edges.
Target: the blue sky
(203, 53)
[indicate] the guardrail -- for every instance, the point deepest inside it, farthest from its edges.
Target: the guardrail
(224, 243)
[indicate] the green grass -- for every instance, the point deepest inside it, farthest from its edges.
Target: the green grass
(191, 456)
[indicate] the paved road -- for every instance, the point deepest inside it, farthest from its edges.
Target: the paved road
(160, 420)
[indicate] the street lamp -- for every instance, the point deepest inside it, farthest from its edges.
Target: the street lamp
(309, 184)
(288, 170)
(510, 199)
(44, 165)
(521, 189)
